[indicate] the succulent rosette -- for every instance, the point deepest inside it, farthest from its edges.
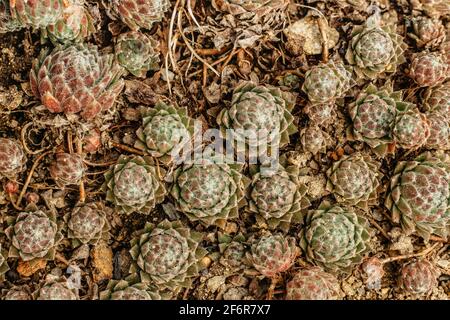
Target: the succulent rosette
(313, 284)
(138, 14)
(418, 277)
(325, 83)
(429, 69)
(335, 238)
(133, 185)
(419, 196)
(354, 180)
(136, 52)
(412, 129)
(167, 255)
(87, 224)
(427, 32)
(56, 289)
(232, 251)
(7, 22)
(3, 263)
(38, 14)
(439, 132)
(18, 293)
(321, 114)
(76, 79)
(277, 198)
(67, 169)
(437, 99)
(272, 254)
(209, 192)
(131, 289)
(165, 130)
(259, 117)
(12, 158)
(75, 25)
(33, 234)
(374, 50)
(373, 116)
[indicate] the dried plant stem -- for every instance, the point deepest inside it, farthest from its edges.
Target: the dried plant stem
(13, 203)
(69, 141)
(273, 284)
(409, 256)
(372, 221)
(30, 174)
(24, 143)
(81, 186)
(127, 148)
(105, 164)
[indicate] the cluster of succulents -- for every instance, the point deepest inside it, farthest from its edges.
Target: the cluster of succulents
(335, 238)
(168, 255)
(277, 197)
(76, 79)
(12, 157)
(272, 254)
(133, 185)
(33, 234)
(87, 224)
(313, 284)
(209, 192)
(67, 169)
(165, 130)
(354, 180)
(419, 195)
(136, 52)
(140, 14)
(258, 116)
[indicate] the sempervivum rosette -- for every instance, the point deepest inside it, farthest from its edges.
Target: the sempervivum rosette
(33, 234)
(7, 22)
(259, 117)
(429, 69)
(419, 195)
(167, 255)
(374, 50)
(276, 198)
(418, 277)
(354, 180)
(76, 79)
(209, 192)
(335, 238)
(131, 289)
(313, 284)
(12, 157)
(39, 13)
(165, 130)
(55, 288)
(133, 185)
(437, 99)
(412, 129)
(67, 169)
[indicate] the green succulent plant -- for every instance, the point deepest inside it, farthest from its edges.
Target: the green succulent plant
(133, 185)
(335, 238)
(411, 129)
(419, 195)
(131, 289)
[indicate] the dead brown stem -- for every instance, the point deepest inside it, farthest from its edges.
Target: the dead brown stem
(24, 143)
(69, 141)
(372, 221)
(81, 187)
(409, 256)
(105, 164)
(127, 148)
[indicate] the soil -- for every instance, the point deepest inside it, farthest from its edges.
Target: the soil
(193, 85)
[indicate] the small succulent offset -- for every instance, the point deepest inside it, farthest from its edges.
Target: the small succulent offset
(354, 180)
(419, 196)
(136, 52)
(18, 293)
(165, 130)
(56, 288)
(75, 25)
(257, 8)
(272, 254)
(373, 116)
(7, 23)
(12, 158)
(209, 192)
(427, 32)
(232, 251)
(3, 263)
(335, 238)
(38, 14)
(277, 198)
(437, 100)
(258, 116)
(321, 114)
(314, 139)
(439, 132)
(374, 50)
(167, 255)
(429, 69)
(33, 234)
(138, 14)
(131, 289)
(412, 129)
(313, 284)
(76, 79)
(325, 83)
(133, 185)
(87, 224)
(67, 169)
(419, 277)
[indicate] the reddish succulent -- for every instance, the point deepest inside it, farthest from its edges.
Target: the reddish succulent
(321, 114)
(418, 277)
(272, 254)
(67, 169)
(76, 79)
(313, 284)
(12, 158)
(314, 139)
(38, 14)
(437, 99)
(411, 129)
(429, 69)
(439, 132)
(428, 33)
(7, 22)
